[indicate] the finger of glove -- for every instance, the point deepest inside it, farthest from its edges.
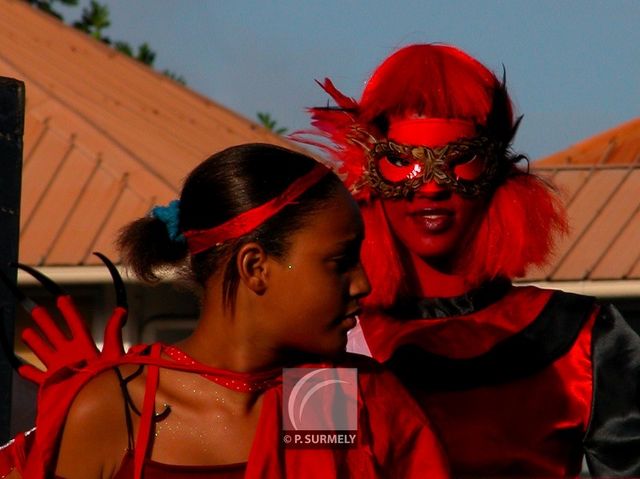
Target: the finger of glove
(40, 347)
(77, 326)
(31, 373)
(113, 346)
(49, 328)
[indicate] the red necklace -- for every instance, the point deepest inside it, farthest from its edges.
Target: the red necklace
(242, 382)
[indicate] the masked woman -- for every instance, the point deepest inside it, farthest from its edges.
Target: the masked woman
(272, 238)
(519, 381)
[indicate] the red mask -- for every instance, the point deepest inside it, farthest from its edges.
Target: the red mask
(428, 212)
(421, 150)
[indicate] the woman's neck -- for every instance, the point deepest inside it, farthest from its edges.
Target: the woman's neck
(434, 279)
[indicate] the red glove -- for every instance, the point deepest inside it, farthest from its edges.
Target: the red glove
(50, 343)
(61, 354)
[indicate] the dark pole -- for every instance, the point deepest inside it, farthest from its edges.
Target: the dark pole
(11, 131)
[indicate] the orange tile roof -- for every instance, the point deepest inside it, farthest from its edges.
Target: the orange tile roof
(105, 136)
(619, 145)
(600, 182)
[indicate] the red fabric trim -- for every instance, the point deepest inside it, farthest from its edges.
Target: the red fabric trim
(457, 336)
(243, 382)
(159, 470)
(201, 240)
(148, 411)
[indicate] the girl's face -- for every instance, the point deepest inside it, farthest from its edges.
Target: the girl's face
(314, 291)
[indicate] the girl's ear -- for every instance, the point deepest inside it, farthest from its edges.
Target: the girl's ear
(251, 262)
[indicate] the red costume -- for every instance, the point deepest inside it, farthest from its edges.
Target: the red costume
(394, 437)
(518, 381)
(395, 440)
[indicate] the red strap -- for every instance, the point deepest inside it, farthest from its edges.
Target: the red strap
(20, 451)
(202, 240)
(243, 382)
(148, 411)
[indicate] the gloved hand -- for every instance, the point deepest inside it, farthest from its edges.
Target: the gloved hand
(61, 352)
(52, 345)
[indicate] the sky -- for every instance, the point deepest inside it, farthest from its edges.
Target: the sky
(573, 67)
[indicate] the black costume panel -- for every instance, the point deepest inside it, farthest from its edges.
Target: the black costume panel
(612, 442)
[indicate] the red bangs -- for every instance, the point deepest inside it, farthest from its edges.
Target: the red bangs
(431, 80)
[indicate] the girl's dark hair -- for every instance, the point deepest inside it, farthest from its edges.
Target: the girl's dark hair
(228, 183)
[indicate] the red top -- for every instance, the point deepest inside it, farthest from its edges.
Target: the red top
(394, 437)
(531, 425)
(158, 470)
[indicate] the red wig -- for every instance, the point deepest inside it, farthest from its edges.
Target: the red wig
(524, 213)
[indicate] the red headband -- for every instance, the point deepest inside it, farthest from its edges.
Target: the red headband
(202, 240)
(431, 132)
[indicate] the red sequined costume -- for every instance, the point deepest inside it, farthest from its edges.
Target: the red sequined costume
(395, 439)
(519, 381)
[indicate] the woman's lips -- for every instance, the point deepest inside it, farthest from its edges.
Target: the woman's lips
(433, 220)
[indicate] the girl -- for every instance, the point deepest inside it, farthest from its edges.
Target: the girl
(272, 239)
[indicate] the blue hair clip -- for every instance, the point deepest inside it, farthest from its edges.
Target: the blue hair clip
(170, 216)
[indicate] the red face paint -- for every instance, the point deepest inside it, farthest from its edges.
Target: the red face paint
(434, 221)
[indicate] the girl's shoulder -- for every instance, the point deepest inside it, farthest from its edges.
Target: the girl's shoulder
(95, 433)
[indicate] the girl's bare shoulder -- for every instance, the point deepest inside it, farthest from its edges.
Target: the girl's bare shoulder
(94, 437)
